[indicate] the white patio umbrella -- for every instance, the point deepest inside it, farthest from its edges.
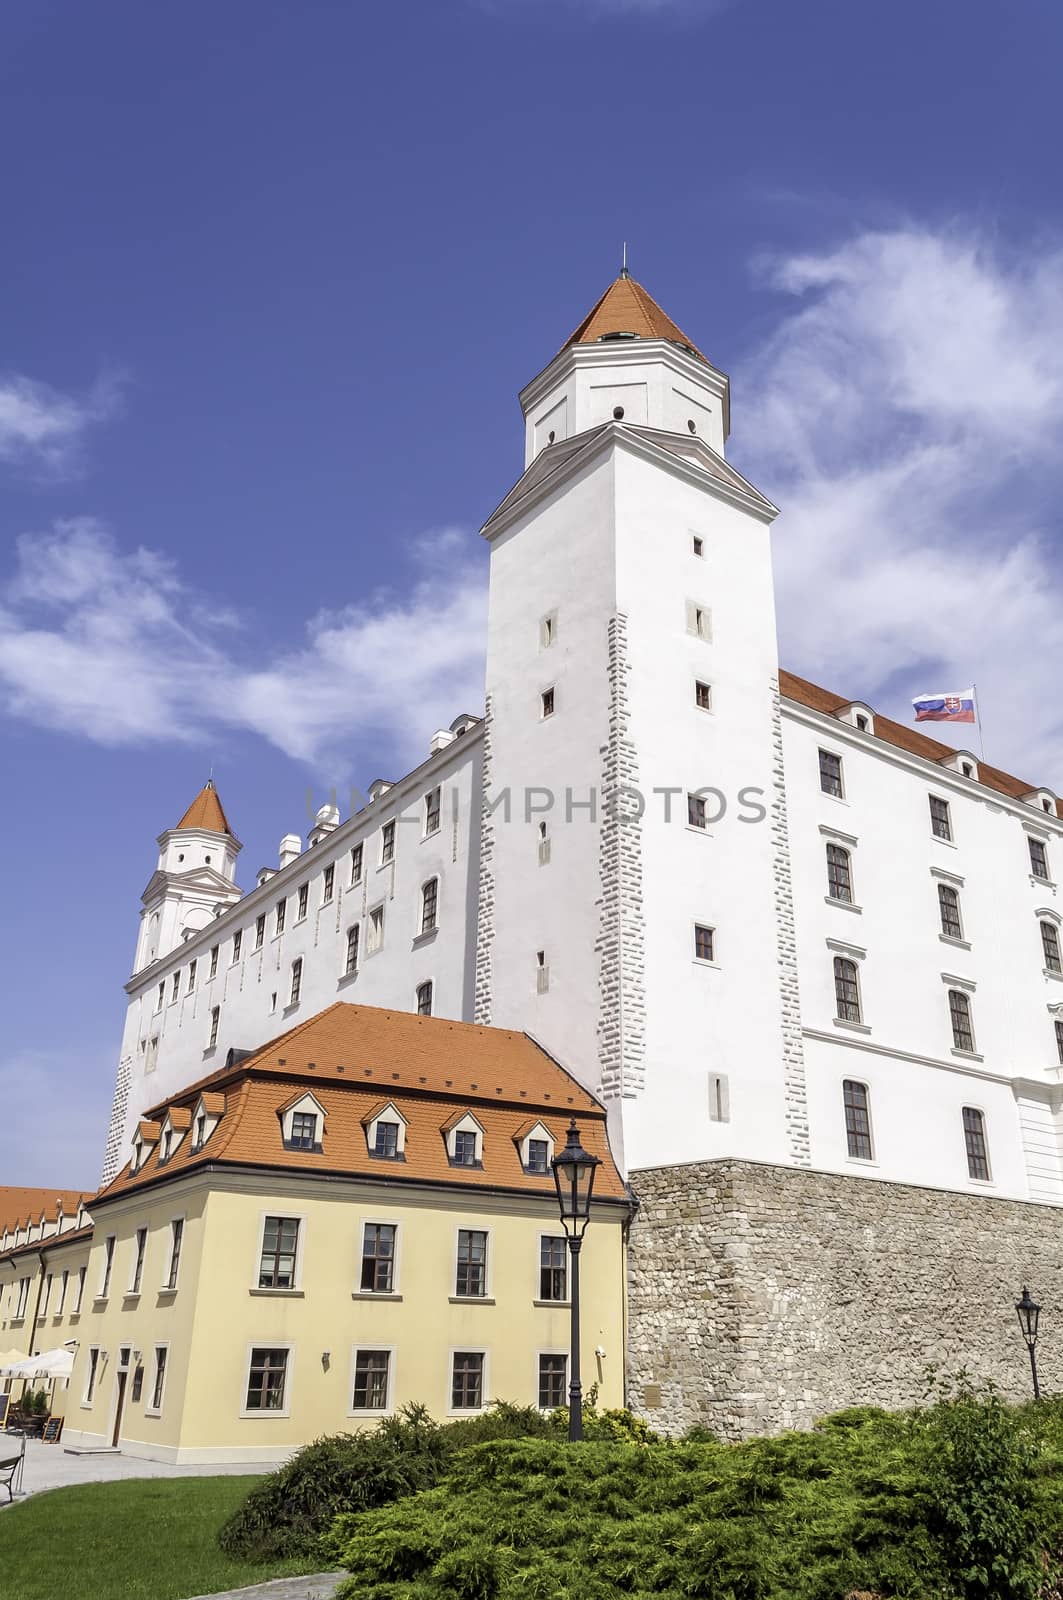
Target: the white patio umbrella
(8, 1359)
(57, 1363)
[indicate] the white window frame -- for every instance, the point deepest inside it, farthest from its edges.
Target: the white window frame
(714, 933)
(971, 1105)
(140, 1256)
(465, 1124)
(567, 1357)
(719, 1086)
(389, 1402)
(487, 1298)
(699, 620)
(430, 833)
(166, 1287)
(91, 1386)
(469, 1349)
(296, 1290)
(372, 949)
(151, 1409)
(542, 1134)
(266, 1343)
(388, 1113)
(872, 1159)
(395, 1292)
(544, 714)
(309, 1105)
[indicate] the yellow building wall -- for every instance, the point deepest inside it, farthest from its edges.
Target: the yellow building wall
(55, 1327)
(218, 1314)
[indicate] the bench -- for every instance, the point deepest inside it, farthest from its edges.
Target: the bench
(11, 1466)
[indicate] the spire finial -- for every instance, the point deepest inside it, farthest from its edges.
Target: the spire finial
(624, 273)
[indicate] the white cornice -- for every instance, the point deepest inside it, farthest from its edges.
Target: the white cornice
(629, 353)
(618, 435)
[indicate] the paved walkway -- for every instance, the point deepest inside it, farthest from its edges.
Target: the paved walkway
(321, 1587)
(49, 1467)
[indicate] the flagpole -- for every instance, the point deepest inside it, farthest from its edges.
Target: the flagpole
(978, 719)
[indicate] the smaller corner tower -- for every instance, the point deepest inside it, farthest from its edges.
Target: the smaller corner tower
(195, 877)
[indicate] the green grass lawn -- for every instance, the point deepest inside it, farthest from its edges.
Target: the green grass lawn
(140, 1539)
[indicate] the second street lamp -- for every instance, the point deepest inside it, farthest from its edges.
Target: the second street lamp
(1029, 1315)
(574, 1173)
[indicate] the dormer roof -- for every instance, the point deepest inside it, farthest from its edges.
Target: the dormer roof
(627, 310)
(206, 811)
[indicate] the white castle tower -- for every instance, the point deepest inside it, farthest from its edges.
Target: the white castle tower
(631, 647)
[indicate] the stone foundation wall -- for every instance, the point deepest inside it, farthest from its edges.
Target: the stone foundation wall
(762, 1297)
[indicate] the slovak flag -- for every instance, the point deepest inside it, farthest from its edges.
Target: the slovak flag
(945, 707)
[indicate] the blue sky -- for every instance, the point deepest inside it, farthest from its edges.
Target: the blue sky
(271, 278)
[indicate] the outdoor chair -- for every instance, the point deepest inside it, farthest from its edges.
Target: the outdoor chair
(11, 1465)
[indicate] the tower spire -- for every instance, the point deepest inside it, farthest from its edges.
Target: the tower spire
(624, 273)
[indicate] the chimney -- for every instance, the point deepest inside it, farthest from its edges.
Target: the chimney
(440, 739)
(291, 849)
(326, 821)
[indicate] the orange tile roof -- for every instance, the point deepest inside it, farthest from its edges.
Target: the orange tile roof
(213, 1104)
(149, 1131)
(432, 1070)
(206, 812)
(18, 1206)
(626, 307)
(895, 733)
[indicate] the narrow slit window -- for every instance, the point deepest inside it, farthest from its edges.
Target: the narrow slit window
(839, 874)
(1039, 859)
(949, 906)
(1050, 946)
(857, 1119)
(846, 990)
(975, 1142)
(960, 1017)
(830, 773)
(940, 819)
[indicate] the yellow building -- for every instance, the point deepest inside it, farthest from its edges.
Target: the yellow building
(360, 1215)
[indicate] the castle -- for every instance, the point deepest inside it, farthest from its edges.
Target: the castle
(809, 958)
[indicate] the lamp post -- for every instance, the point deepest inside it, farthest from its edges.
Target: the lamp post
(1029, 1314)
(574, 1173)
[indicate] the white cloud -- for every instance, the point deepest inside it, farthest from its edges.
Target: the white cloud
(43, 428)
(115, 646)
(905, 414)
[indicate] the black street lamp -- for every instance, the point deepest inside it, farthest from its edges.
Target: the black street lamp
(574, 1173)
(1029, 1314)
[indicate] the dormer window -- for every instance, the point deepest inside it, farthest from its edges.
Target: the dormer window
(302, 1123)
(858, 716)
(385, 1133)
(199, 1137)
(167, 1145)
(205, 1119)
(464, 1139)
(535, 1148)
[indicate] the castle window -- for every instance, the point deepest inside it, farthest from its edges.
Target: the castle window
(356, 864)
(424, 999)
(176, 988)
(703, 696)
(429, 905)
(547, 630)
(328, 884)
(471, 1276)
(386, 1143)
(238, 939)
(975, 1142)
(280, 1243)
(960, 1017)
(160, 997)
(949, 906)
(80, 1295)
(546, 703)
(297, 982)
(351, 964)
(698, 620)
(553, 1267)
(719, 1098)
(861, 722)
(371, 1371)
(542, 973)
(215, 1018)
(857, 1119)
(191, 976)
(697, 811)
(260, 930)
(213, 973)
(467, 1381)
(108, 1263)
(846, 990)
(839, 874)
(1050, 945)
(199, 1136)
(302, 901)
(544, 845)
(1059, 1042)
(387, 843)
(375, 938)
(553, 1378)
(697, 544)
(464, 1149)
(464, 1139)
(378, 1258)
(1039, 859)
(704, 942)
(431, 812)
(282, 914)
(830, 773)
(141, 1245)
(940, 819)
(538, 1156)
(304, 1131)
(177, 1234)
(267, 1379)
(967, 769)
(90, 1384)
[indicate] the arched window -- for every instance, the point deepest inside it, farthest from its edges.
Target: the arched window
(839, 874)
(962, 1027)
(1059, 1041)
(1050, 945)
(424, 999)
(429, 905)
(846, 990)
(975, 1141)
(857, 1119)
(352, 949)
(297, 981)
(949, 905)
